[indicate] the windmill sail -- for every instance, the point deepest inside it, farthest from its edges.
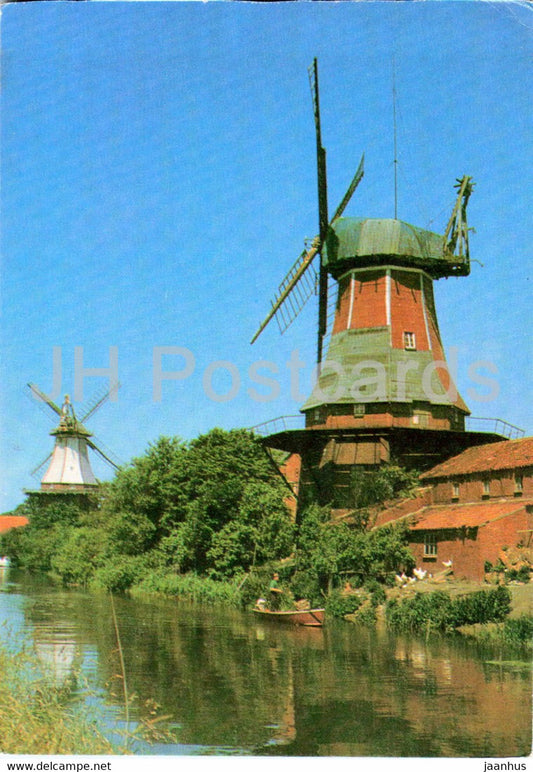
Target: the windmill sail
(38, 394)
(98, 401)
(299, 284)
(285, 288)
(322, 211)
(289, 307)
(105, 456)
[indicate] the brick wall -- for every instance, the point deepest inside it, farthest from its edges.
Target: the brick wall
(407, 309)
(470, 550)
(291, 469)
(502, 484)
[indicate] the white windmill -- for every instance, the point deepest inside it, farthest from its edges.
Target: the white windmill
(70, 469)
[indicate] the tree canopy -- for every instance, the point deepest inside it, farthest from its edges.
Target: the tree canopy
(214, 507)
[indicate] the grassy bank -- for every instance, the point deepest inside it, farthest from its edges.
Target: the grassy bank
(189, 587)
(38, 717)
(500, 615)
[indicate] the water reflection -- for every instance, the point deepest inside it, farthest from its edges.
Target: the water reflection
(237, 685)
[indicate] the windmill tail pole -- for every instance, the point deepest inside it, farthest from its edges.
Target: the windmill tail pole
(315, 249)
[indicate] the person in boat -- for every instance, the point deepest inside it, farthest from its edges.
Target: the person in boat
(275, 593)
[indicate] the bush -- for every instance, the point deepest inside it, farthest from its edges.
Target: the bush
(330, 550)
(366, 616)
(518, 631)
(119, 574)
(338, 605)
(437, 610)
(305, 584)
(521, 574)
(78, 552)
(480, 607)
(378, 597)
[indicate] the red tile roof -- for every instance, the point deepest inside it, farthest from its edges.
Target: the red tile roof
(399, 510)
(509, 454)
(11, 521)
(468, 515)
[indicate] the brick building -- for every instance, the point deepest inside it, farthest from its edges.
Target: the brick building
(477, 506)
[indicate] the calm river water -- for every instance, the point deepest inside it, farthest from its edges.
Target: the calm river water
(233, 684)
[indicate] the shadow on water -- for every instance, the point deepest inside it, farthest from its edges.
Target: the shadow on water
(233, 684)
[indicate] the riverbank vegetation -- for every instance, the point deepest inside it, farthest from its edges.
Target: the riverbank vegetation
(39, 717)
(207, 520)
(439, 611)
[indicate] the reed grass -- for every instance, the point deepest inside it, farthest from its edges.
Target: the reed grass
(190, 587)
(39, 717)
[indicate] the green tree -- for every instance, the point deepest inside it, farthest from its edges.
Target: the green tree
(261, 532)
(377, 486)
(153, 486)
(327, 550)
(79, 552)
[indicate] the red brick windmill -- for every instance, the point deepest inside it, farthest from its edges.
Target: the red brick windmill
(385, 376)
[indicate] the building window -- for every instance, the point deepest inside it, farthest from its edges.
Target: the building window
(455, 418)
(358, 410)
(319, 415)
(430, 545)
(486, 488)
(421, 418)
(518, 483)
(455, 490)
(409, 341)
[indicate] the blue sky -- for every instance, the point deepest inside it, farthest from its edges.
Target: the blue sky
(158, 180)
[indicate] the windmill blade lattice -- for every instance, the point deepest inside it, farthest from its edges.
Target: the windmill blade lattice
(43, 407)
(98, 400)
(43, 398)
(301, 282)
(109, 457)
(34, 472)
(300, 270)
(299, 292)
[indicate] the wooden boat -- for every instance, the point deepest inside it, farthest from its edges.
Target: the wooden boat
(311, 617)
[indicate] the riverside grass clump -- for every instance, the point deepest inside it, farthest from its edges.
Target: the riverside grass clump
(189, 587)
(39, 717)
(514, 633)
(439, 611)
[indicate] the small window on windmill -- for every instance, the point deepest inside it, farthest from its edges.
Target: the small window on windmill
(318, 415)
(455, 489)
(421, 418)
(518, 484)
(358, 410)
(486, 488)
(409, 341)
